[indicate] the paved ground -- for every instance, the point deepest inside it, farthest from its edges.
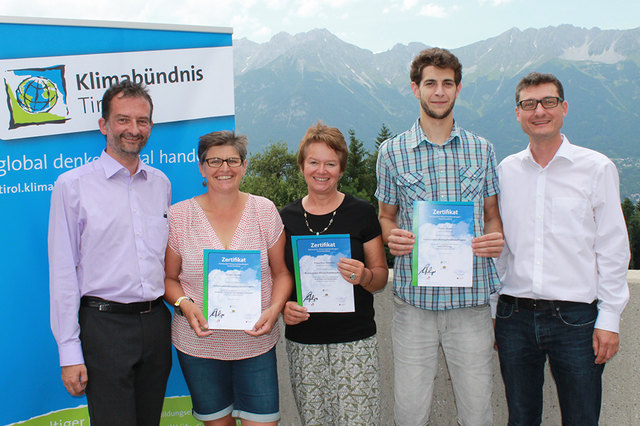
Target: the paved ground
(621, 396)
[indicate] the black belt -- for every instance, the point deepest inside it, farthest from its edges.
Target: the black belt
(539, 304)
(119, 308)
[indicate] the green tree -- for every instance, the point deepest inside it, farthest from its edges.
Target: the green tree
(274, 174)
(633, 227)
(359, 178)
(361, 172)
(383, 134)
(628, 209)
(632, 218)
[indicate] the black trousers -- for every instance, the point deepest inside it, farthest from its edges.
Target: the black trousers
(128, 360)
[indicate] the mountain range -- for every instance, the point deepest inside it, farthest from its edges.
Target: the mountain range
(286, 84)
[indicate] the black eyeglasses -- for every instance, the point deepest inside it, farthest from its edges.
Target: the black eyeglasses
(547, 102)
(216, 162)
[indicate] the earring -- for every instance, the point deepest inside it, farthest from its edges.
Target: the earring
(204, 181)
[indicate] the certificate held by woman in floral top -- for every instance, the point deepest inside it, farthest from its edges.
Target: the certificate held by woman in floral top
(319, 285)
(442, 256)
(232, 289)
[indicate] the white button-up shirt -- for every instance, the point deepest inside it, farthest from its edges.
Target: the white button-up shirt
(565, 234)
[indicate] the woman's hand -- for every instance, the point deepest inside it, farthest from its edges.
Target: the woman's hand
(373, 276)
(353, 271)
(173, 291)
(193, 314)
(265, 322)
(294, 314)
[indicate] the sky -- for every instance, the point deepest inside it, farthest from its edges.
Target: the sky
(376, 25)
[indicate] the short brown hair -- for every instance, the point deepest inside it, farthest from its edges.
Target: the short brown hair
(330, 136)
(222, 138)
(439, 58)
(536, 79)
(129, 89)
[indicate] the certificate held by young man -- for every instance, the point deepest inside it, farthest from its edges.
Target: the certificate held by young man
(319, 285)
(232, 289)
(442, 256)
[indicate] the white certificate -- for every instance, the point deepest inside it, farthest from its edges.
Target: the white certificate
(232, 289)
(442, 256)
(319, 285)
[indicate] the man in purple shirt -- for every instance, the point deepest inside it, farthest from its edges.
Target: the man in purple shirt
(108, 231)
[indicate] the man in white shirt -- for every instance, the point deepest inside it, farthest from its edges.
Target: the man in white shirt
(564, 264)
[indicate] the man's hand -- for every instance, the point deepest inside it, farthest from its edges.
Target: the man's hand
(495, 341)
(488, 245)
(605, 345)
(74, 378)
(401, 242)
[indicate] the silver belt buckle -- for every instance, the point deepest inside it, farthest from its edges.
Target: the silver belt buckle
(150, 307)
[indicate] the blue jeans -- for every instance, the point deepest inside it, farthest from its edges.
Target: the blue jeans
(563, 333)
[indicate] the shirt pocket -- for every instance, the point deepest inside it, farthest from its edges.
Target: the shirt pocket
(471, 183)
(567, 215)
(413, 186)
(157, 234)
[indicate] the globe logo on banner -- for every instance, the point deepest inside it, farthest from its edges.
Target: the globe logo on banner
(36, 96)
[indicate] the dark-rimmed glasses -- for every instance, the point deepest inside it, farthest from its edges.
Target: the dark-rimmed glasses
(547, 103)
(216, 162)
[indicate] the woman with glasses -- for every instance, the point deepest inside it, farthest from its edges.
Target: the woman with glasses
(333, 358)
(230, 373)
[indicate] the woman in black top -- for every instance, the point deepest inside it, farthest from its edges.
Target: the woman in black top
(333, 360)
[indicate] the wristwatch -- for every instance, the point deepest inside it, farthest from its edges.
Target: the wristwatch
(180, 299)
(177, 304)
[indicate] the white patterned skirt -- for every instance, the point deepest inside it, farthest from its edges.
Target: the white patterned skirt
(336, 383)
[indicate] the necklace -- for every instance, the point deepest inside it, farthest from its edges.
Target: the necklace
(325, 228)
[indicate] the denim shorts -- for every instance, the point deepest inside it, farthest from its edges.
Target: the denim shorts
(246, 388)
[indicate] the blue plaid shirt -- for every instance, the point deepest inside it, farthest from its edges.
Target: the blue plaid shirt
(462, 169)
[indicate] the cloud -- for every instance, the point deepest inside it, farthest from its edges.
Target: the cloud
(494, 2)
(251, 28)
(408, 4)
(314, 8)
(276, 4)
(308, 9)
(262, 33)
(433, 11)
(399, 5)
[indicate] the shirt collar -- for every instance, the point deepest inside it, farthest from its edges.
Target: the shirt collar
(565, 151)
(111, 166)
(422, 137)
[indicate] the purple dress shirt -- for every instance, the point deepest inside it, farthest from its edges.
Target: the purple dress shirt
(108, 232)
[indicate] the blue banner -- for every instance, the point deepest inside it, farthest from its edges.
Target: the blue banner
(29, 165)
